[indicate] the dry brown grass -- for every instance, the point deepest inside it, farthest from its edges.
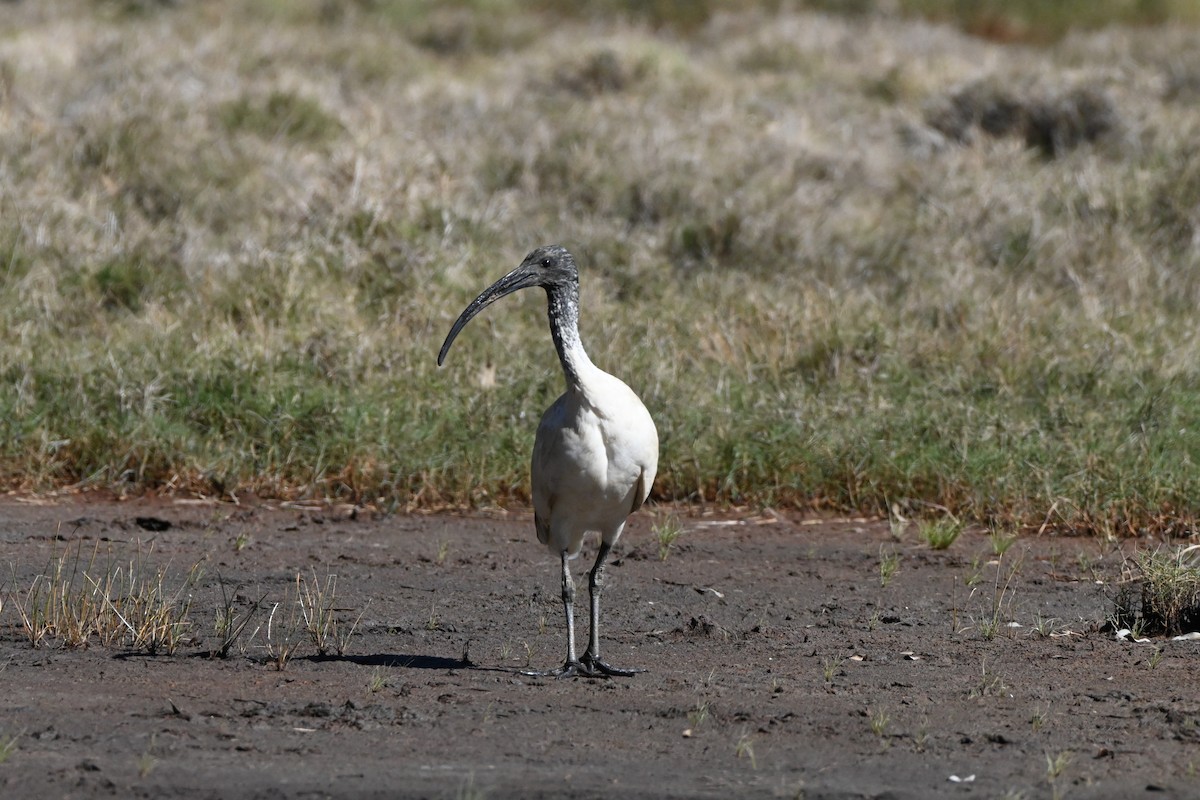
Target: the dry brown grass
(232, 235)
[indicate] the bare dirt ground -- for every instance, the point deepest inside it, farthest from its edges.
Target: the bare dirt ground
(777, 666)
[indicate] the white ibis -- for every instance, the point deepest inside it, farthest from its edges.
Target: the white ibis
(596, 449)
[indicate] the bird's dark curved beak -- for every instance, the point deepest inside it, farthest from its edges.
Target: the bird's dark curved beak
(520, 278)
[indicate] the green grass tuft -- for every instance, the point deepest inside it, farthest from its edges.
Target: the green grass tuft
(939, 533)
(281, 115)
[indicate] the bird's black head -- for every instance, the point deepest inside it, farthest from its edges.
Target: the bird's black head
(551, 267)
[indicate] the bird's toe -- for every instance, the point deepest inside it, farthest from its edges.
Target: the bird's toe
(595, 668)
(569, 669)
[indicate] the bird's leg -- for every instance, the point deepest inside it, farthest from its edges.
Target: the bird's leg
(591, 663)
(595, 587)
(568, 598)
(570, 668)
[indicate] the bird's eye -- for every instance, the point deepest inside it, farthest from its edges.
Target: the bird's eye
(547, 262)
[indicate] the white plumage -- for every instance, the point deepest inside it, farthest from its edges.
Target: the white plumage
(596, 450)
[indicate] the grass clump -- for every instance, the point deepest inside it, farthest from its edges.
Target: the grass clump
(230, 623)
(1169, 600)
(127, 283)
(1052, 123)
(940, 533)
(889, 563)
(8, 746)
(1056, 766)
(318, 609)
(744, 748)
(665, 532)
(283, 115)
(77, 599)
(284, 634)
(84, 599)
(880, 719)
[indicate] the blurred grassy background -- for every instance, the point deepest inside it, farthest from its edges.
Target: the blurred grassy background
(866, 255)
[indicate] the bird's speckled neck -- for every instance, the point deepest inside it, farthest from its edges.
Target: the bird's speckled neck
(562, 300)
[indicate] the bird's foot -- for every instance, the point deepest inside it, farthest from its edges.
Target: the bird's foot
(593, 667)
(569, 669)
(587, 667)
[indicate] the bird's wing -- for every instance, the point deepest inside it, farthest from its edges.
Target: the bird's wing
(640, 493)
(544, 478)
(542, 526)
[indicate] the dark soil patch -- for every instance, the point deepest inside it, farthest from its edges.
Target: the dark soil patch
(778, 666)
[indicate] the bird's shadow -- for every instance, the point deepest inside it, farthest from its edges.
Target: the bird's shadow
(404, 661)
(394, 660)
